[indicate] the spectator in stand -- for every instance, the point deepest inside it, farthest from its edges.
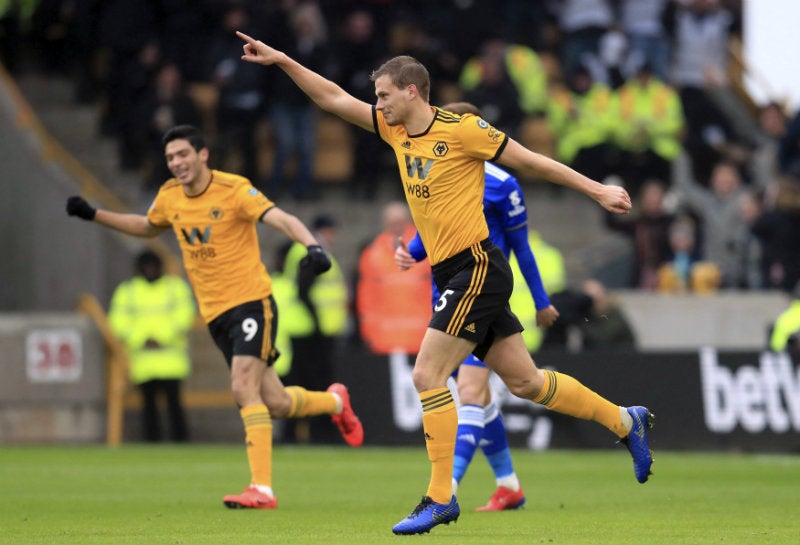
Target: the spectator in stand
(393, 306)
(649, 41)
(529, 23)
(139, 79)
(241, 96)
(164, 105)
(649, 129)
(789, 149)
(152, 314)
(718, 212)
(648, 229)
(582, 119)
(292, 116)
(126, 34)
(685, 272)
(764, 165)
(778, 230)
(496, 96)
(513, 71)
(582, 24)
(360, 47)
(750, 269)
(702, 30)
(590, 319)
(606, 327)
(10, 34)
(408, 37)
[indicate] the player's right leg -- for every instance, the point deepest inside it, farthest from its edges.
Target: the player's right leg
(438, 357)
(246, 372)
(243, 335)
(509, 357)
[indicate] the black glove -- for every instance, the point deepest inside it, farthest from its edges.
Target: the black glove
(77, 206)
(316, 259)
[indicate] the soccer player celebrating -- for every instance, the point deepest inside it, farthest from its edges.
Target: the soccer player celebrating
(214, 215)
(441, 159)
(479, 420)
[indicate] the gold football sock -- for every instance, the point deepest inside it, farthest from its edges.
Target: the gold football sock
(440, 423)
(564, 394)
(305, 403)
(258, 435)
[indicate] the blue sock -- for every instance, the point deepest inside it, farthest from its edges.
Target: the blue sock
(470, 430)
(495, 443)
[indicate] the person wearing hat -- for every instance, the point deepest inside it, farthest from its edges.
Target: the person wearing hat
(152, 314)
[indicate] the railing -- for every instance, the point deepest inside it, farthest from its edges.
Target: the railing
(116, 369)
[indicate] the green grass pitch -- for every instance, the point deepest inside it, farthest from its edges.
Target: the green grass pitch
(172, 495)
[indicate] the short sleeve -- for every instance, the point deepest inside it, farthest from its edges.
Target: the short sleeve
(480, 139)
(252, 203)
(157, 214)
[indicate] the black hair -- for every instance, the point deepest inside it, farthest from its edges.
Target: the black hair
(185, 132)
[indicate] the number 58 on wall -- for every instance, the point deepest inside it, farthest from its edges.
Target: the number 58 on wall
(53, 355)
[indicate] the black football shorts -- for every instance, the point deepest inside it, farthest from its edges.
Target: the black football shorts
(475, 286)
(247, 330)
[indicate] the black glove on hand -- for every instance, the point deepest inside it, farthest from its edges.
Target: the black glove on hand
(316, 259)
(77, 206)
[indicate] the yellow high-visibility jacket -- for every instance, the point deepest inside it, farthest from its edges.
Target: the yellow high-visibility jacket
(650, 117)
(164, 311)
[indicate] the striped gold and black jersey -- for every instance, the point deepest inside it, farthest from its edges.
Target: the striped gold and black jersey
(217, 234)
(442, 171)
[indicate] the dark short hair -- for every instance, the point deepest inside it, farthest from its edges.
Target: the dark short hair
(148, 257)
(323, 221)
(404, 71)
(185, 132)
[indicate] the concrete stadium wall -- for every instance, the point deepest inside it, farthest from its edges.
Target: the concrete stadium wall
(53, 387)
(49, 258)
(729, 320)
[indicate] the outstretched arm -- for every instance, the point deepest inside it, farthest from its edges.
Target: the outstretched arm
(328, 95)
(612, 198)
(131, 224)
(290, 225)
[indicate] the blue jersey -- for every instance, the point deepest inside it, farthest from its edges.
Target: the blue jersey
(507, 218)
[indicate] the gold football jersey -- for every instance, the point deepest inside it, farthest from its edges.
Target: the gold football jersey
(217, 234)
(442, 171)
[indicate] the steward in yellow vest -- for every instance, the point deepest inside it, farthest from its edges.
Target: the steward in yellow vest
(786, 330)
(524, 67)
(649, 128)
(152, 314)
(582, 119)
(550, 261)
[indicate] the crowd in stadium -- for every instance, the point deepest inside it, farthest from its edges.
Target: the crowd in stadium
(634, 92)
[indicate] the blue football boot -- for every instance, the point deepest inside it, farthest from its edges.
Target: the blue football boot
(636, 441)
(426, 515)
